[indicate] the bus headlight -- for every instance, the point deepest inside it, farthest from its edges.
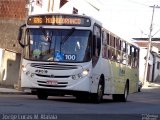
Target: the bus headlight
(85, 72)
(81, 75)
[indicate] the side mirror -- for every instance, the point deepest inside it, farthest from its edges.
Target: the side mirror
(20, 35)
(94, 45)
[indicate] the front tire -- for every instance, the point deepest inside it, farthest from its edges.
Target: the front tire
(82, 98)
(42, 95)
(98, 97)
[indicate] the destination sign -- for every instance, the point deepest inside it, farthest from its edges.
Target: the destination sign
(59, 20)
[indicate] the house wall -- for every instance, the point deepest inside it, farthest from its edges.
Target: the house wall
(53, 6)
(142, 61)
(156, 70)
(44, 6)
(9, 33)
(150, 62)
(143, 42)
(12, 15)
(10, 67)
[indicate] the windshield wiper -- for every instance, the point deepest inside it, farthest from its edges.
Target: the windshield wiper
(68, 35)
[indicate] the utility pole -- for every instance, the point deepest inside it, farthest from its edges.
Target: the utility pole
(149, 46)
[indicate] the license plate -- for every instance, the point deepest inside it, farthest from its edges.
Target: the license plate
(52, 82)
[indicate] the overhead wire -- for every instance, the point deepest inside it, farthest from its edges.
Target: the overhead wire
(147, 2)
(138, 3)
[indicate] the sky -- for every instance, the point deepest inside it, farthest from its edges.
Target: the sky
(126, 18)
(130, 18)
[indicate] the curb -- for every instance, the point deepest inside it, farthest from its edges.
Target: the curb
(12, 92)
(15, 93)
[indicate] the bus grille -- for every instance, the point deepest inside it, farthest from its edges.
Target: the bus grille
(51, 76)
(53, 66)
(52, 85)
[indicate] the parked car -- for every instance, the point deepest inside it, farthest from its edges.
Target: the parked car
(140, 86)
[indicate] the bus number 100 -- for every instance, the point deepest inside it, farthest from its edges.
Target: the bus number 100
(70, 57)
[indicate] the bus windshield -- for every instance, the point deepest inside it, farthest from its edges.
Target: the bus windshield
(63, 45)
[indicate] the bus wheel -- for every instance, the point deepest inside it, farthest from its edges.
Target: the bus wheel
(82, 97)
(126, 91)
(98, 97)
(122, 97)
(42, 96)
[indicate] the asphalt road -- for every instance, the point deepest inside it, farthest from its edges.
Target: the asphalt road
(144, 105)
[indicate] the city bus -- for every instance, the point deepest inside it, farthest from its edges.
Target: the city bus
(66, 54)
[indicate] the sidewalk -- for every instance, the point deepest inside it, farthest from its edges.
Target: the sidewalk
(4, 90)
(151, 85)
(10, 91)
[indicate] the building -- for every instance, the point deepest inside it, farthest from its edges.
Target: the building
(13, 14)
(83, 7)
(153, 72)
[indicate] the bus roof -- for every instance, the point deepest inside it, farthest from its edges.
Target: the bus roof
(61, 19)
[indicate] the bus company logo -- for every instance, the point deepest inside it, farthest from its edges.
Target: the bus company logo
(122, 72)
(39, 71)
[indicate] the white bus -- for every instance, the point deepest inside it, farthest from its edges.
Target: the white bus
(74, 55)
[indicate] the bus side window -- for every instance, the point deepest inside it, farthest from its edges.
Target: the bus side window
(124, 56)
(132, 56)
(137, 58)
(104, 49)
(118, 50)
(108, 46)
(96, 41)
(129, 54)
(112, 47)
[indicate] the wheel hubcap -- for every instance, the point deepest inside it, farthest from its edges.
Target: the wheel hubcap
(126, 93)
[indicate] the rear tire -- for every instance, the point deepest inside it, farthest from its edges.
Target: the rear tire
(122, 97)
